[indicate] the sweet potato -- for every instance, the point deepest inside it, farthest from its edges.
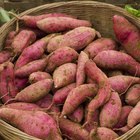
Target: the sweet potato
(9, 40)
(77, 115)
(34, 66)
(22, 106)
(7, 81)
(72, 130)
(5, 56)
(77, 96)
(64, 75)
(121, 83)
(90, 81)
(99, 45)
(61, 56)
(134, 117)
(104, 91)
(21, 83)
(132, 96)
(38, 76)
(114, 73)
(78, 38)
(111, 111)
(80, 74)
(58, 24)
(128, 35)
(62, 93)
(117, 60)
(22, 40)
(103, 133)
(123, 117)
(31, 53)
(46, 101)
(53, 43)
(36, 123)
(35, 91)
(31, 21)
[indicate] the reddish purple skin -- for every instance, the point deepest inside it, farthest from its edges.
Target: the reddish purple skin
(38, 76)
(128, 35)
(73, 130)
(58, 24)
(117, 60)
(80, 74)
(61, 94)
(9, 39)
(46, 101)
(7, 79)
(99, 45)
(22, 40)
(74, 100)
(122, 130)
(4, 56)
(27, 121)
(21, 83)
(77, 115)
(124, 115)
(121, 83)
(31, 53)
(61, 56)
(132, 97)
(34, 66)
(31, 21)
(23, 106)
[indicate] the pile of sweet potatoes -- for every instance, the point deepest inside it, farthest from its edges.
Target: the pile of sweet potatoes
(60, 79)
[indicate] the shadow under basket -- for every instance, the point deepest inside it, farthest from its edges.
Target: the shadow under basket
(100, 14)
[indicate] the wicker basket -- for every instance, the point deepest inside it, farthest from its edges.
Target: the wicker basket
(100, 14)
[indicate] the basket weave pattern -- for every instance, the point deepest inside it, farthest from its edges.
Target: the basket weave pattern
(100, 14)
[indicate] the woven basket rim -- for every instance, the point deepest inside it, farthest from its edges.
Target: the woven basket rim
(136, 20)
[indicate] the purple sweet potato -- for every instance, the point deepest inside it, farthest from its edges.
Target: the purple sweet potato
(61, 56)
(5, 56)
(134, 117)
(80, 74)
(21, 83)
(7, 81)
(72, 130)
(122, 130)
(58, 24)
(104, 91)
(35, 123)
(22, 106)
(77, 115)
(123, 117)
(62, 93)
(117, 60)
(31, 53)
(114, 73)
(9, 40)
(46, 101)
(111, 111)
(38, 76)
(53, 43)
(132, 96)
(64, 75)
(34, 66)
(31, 21)
(103, 133)
(35, 91)
(121, 83)
(128, 35)
(99, 45)
(77, 96)
(22, 40)
(78, 38)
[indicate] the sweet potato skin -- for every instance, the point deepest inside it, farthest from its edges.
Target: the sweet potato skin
(64, 75)
(111, 111)
(128, 35)
(132, 96)
(21, 83)
(5, 56)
